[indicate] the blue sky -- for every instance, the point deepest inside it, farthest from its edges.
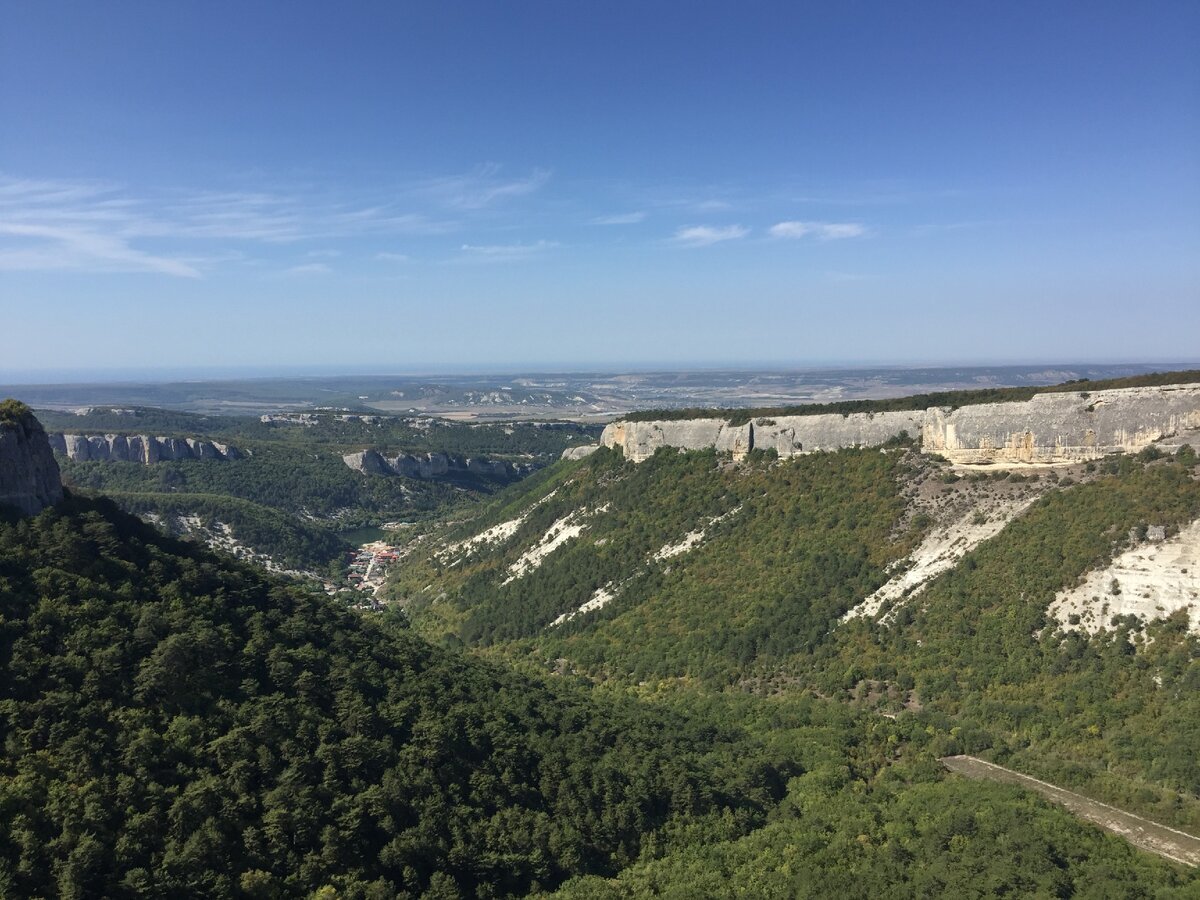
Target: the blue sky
(400, 186)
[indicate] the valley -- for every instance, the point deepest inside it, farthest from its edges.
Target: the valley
(279, 487)
(797, 644)
(600, 451)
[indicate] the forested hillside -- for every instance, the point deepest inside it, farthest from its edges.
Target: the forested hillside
(786, 550)
(1118, 713)
(177, 725)
(690, 570)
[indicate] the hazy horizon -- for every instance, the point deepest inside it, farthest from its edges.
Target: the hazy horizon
(185, 374)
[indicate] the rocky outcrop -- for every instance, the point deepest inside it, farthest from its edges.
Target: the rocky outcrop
(29, 478)
(434, 465)
(369, 462)
(787, 436)
(1050, 428)
(138, 448)
(426, 465)
(580, 452)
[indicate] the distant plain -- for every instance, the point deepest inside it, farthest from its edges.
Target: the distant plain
(579, 396)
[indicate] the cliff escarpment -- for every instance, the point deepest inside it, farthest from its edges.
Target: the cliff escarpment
(138, 448)
(434, 465)
(1048, 429)
(29, 478)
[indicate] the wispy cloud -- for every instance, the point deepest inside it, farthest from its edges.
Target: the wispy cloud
(505, 252)
(706, 235)
(63, 247)
(307, 269)
(102, 227)
(631, 218)
(481, 188)
(822, 231)
(389, 256)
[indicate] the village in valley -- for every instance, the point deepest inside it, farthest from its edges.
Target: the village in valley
(369, 565)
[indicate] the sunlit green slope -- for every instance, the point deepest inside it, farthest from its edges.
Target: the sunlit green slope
(779, 550)
(691, 569)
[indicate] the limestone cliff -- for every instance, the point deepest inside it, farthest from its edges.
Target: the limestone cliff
(1048, 429)
(580, 452)
(434, 465)
(369, 462)
(29, 478)
(138, 448)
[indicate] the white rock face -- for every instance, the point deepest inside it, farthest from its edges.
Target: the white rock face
(433, 465)
(497, 534)
(369, 462)
(640, 440)
(692, 539)
(601, 598)
(138, 448)
(1153, 580)
(1051, 428)
(559, 533)
(580, 452)
(941, 549)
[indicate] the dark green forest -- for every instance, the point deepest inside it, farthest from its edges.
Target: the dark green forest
(178, 725)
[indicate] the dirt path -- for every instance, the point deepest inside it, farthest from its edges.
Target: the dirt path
(1161, 839)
